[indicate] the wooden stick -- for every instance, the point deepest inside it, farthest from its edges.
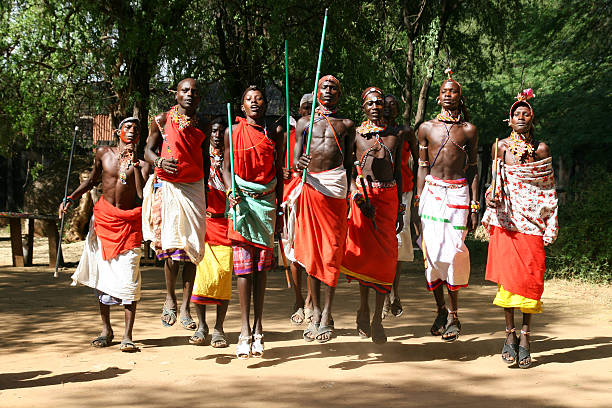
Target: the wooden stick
(494, 167)
(287, 99)
(59, 241)
(282, 250)
(231, 143)
(314, 93)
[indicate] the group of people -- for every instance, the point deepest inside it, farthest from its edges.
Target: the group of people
(339, 202)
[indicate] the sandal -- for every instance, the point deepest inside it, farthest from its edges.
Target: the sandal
(127, 346)
(298, 317)
(219, 340)
(243, 348)
(102, 341)
(509, 351)
(308, 314)
(439, 325)
(188, 323)
(171, 312)
(363, 327)
(386, 308)
(523, 353)
(310, 332)
(257, 347)
(453, 329)
(396, 308)
(322, 331)
(199, 338)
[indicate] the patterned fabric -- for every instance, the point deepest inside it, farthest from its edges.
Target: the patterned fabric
(528, 200)
(246, 256)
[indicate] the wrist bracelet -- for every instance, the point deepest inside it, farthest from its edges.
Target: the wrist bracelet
(357, 197)
(402, 209)
(229, 192)
(69, 199)
(417, 199)
(474, 206)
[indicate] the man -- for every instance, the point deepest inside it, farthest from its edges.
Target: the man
(447, 178)
(376, 215)
(111, 258)
(320, 231)
(302, 310)
(173, 216)
(258, 153)
(213, 281)
(409, 156)
(521, 218)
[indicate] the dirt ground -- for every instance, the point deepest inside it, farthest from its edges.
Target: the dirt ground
(46, 357)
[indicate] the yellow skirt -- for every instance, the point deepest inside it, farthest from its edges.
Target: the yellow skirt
(213, 282)
(509, 299)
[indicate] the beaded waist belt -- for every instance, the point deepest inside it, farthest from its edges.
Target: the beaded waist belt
(214, 215)
(257, 195)
(382, 184)
(443, 184)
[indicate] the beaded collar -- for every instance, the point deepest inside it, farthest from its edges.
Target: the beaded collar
(521, 146)
(447, 116)
(183, 121)
(323, 111)
(370, 127)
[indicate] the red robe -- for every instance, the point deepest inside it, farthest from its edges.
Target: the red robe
(118, 230)
(371, 255)
(407, 176)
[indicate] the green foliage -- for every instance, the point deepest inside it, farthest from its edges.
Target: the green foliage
(582, 250)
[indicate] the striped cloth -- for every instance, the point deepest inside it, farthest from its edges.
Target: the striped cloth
(444, 210)
(246, 256)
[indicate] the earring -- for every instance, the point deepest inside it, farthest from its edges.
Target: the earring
(438, 100)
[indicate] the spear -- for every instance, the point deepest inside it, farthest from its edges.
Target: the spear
(231, 146)
(287, 97)
(314, 92)
(59, 242)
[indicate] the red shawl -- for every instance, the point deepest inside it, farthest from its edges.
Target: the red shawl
(253, 153)
(186, 147)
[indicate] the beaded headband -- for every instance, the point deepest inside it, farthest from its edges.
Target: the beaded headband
(521, 99)
(330, 78)
(130, 119)
(368, 91)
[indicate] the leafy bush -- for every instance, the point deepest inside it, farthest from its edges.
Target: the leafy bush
(582, 250)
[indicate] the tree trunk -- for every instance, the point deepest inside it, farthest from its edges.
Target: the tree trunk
(446, 9)
(408, 84)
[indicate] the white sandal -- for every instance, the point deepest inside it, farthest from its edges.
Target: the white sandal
(243, 348)
(257, 348)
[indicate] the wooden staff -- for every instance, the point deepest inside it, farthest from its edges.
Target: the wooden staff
(231, 146)
(282, 250)
(316, 87)
(365, 190)
(59, 242)
(494, 167)
(287, 98)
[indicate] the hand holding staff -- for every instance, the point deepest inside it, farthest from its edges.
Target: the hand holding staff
(287, 102)
(231, 146)
(365, 190)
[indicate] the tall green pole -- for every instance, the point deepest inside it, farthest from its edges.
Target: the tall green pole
(231, 144)
(314, 92)
(287, 97)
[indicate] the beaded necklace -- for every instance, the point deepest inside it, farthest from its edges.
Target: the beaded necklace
(447, 116)
(323, 111)
(125, 158)
(183, 121)
(370, 127)
(521, 146)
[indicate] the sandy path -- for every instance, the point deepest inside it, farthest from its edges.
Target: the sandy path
(46, 358)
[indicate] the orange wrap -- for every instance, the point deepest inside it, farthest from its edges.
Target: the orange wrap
(320, 234)
(371, 255)
(119, 230)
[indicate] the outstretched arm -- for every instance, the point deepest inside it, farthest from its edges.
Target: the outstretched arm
(472, 174)
(86, 185)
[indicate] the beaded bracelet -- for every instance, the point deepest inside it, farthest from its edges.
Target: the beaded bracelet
(423, 163)
(416, 200)
(474, 206)
(229, 192)
(70, 199)
(358, 198)
(158, 162)
(402, 209)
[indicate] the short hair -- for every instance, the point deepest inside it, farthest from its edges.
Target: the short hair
(219, 120)
(253, 88)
